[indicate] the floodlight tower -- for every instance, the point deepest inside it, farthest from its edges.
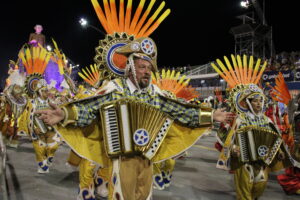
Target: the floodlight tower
(253, 36)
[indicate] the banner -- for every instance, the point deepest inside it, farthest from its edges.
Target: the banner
(271, 75)
(297, 75)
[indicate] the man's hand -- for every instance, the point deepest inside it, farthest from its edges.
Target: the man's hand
(221, 116)
(236, 152)
(51, 117)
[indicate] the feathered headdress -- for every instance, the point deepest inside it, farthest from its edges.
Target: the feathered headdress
(91, 75)
(59, 57)
(123, 27)
(35, 60)
(15, 76)
(242, 77)
(280, 91)
(175, 83)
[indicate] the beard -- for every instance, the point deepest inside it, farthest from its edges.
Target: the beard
(144, 82)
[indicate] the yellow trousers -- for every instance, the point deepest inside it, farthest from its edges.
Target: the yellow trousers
(90, 178)
(250, 181)
(134, 179)
(162, 174)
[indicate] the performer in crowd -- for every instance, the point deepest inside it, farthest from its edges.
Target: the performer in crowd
(175, 86)
(93, 181)
(290, 180)
(131, 58)
(12, 105)
(133, 180)
(253, 146)
(45, 141)
(37, 37)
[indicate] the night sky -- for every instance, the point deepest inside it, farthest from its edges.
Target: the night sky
(196, 32)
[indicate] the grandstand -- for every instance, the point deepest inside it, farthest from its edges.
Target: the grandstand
(205, 80)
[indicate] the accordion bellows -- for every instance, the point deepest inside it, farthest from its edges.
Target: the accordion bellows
(258, 143)
(133, 128)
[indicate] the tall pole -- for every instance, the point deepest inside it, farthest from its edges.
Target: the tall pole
(95, 28)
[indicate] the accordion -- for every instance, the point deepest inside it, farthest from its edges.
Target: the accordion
(133, 128)
(257, 143)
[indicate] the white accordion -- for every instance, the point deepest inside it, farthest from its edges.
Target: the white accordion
(133, 128)
(258, 143)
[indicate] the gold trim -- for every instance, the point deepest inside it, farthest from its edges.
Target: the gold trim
(205, 116)
(70, 115)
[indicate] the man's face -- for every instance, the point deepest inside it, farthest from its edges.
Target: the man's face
(44, 93)
(256, 104)
(38, 29)
(143, 70)
(17, 92)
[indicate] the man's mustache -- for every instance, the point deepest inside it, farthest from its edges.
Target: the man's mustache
(148, 77)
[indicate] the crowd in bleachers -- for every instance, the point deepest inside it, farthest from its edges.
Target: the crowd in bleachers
(181, 69)
(284, 61)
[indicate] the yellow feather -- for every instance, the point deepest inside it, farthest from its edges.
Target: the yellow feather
(250, 69)
(121, 16)
(157, 23)
(260, 73)
(108, 16)
(240, 65)
(22, 56)
(231, 70)
(236, 69)
(128, 15)
(177, 75)
(222, 74)
(81, 75)
(100, 15)
(163, 74)
(186, 82)
(168, 74)
(151, 19)
(255, 70)
(114, 16)
(90, 74)
(136, 16)
(182, 79)
(143, 18)
(245, 68)
(172, 74)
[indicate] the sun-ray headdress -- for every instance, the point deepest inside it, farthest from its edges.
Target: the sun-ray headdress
(59, 57)
(280, 91)
(123, 27)
(92, 75)
(35, 60)
(242, 77)
(173, 82)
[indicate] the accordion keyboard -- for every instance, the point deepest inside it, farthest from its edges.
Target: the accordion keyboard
(112, 130)
(133, 128)
(243, 147)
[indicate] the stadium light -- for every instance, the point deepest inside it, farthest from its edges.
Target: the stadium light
(49, 48)
(83, 22)
(245, 4)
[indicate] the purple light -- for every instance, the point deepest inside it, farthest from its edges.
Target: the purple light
(52, 73)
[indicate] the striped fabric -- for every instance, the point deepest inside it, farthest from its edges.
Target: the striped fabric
(89, 110)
